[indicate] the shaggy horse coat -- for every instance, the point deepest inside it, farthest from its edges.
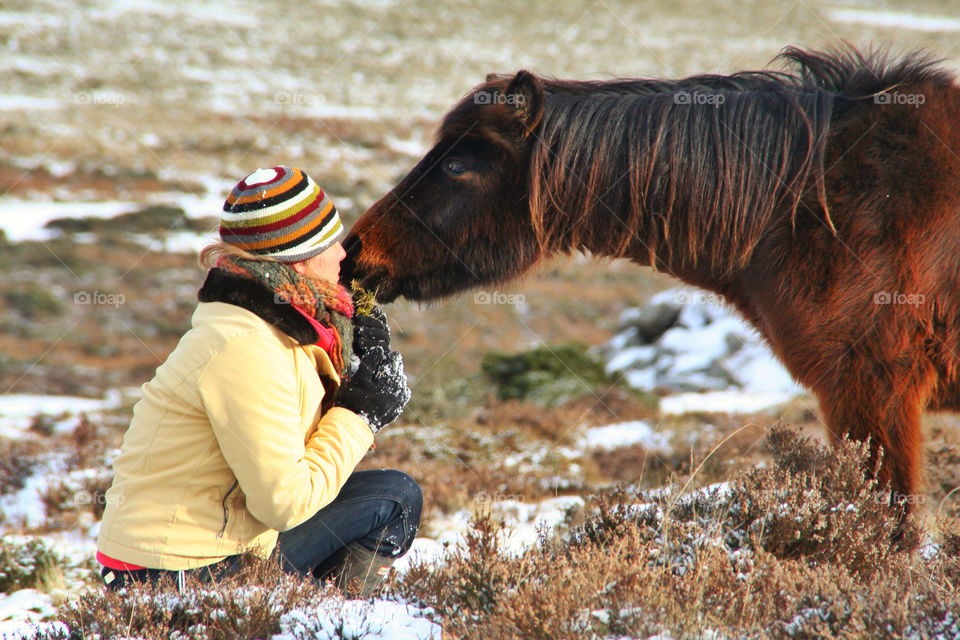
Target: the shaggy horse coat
(822, 202)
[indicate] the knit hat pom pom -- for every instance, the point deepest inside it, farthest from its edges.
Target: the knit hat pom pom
(261, 176)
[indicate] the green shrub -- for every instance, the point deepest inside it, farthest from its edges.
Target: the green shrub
(548, 375)
(34, 303)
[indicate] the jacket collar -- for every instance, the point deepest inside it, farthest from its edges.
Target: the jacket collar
(222, 286)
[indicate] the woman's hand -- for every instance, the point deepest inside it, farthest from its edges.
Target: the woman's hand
(378, 390)
(370, 331)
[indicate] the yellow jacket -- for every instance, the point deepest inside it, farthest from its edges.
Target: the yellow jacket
(228, 445)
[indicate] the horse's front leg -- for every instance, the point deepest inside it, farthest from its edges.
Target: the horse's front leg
(873, 389)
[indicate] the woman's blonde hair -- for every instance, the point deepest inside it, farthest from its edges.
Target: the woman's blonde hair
(219, 249)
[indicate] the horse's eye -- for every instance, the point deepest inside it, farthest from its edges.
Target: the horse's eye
(455, 167)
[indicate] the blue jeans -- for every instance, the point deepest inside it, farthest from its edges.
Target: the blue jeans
(378, 509)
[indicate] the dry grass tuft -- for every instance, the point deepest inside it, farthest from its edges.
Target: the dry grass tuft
(364, 301)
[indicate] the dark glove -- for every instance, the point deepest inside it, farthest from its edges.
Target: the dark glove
(377, 391)
(370, 331)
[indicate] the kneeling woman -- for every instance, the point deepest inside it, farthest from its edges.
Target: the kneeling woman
(248, 435)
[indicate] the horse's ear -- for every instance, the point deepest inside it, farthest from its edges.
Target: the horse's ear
(525, 94)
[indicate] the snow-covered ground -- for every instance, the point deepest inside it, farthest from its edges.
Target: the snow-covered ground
(19, 410)
(723, 402)
(20, 610)
(900, 20)
(23, 220)
(524, 522)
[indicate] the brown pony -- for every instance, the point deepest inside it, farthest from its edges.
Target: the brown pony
(823, 202)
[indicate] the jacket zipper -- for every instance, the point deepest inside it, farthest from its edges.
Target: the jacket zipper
(226, 510)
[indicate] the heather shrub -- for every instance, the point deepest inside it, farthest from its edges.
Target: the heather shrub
(260, 601)
(803, 547)
(17, 460)
(29, 563)
(247, 605)
(816, 503)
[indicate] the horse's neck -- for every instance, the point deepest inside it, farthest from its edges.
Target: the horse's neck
(700, 274)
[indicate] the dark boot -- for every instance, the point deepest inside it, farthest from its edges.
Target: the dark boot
(358, 570)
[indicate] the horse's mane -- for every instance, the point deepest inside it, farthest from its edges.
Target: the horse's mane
(691, 181)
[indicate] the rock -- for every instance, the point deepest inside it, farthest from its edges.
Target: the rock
(754, 367)
(655, 320)
(681, 341)
(735, 342)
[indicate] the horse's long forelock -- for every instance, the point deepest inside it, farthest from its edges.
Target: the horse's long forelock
(693, 182)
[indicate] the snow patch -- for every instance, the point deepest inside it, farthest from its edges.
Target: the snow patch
(722, 402)
(18, 410)
(25, 605)
(412, 148)
(24, 220)
(423, 551)
(625, 434)
(895, 20)
(523, 524)
(360, 620)
(28, 103)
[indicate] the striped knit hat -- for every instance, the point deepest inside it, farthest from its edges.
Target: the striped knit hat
(280, 213)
